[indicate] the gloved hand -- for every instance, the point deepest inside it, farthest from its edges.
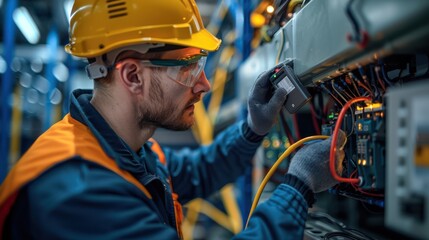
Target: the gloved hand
(311, 164)
(263, 105)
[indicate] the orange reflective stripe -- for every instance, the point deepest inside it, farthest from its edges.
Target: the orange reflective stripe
(64, 140)
(178, 213)
(156, 148)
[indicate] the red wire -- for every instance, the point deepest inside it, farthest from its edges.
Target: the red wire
(286, 129)
(366, 88)
(296, 126)
(362, 191)
(334, 140)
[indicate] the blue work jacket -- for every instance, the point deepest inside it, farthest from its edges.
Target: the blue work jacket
(77, 199)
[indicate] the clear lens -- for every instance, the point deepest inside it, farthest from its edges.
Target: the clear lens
(184, 74)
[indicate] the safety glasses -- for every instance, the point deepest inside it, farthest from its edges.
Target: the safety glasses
(185, 71)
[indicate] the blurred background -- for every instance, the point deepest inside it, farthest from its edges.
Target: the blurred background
(338, 50)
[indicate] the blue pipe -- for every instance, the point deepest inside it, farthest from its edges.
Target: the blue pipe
(52, 45)
(7, 86)
(71, 64)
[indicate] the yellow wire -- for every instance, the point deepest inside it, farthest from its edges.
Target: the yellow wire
(274, 168)
(292, 5)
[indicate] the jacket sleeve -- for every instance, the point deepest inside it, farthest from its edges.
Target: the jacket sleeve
(200, 172)
(282, 216)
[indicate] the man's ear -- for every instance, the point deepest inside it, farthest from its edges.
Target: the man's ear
(131, 76)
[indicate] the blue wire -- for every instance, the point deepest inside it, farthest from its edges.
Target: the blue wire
(383, 73)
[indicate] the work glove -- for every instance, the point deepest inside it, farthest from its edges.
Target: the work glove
(311, 163)
(264, 105)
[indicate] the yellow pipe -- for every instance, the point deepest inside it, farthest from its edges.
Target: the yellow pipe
(203, 124)
(232, 209)
(219, 83)
(15, 141)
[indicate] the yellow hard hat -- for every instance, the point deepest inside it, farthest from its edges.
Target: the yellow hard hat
(100, 26)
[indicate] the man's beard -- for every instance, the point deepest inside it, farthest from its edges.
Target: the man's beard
(162, 112)
(168, 117)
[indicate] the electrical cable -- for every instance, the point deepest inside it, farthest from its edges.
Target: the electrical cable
(319, 110)
(360, 36)
(384, 74)
(353, 124)
(374, 81)
(349, 232)
(334, 141)
(348, 88)
(354, 22)
(335, 90)
(366, 88)
(292, 5)
(281, 11)
(364, 76)
(377, 70)
(357, 232)
(314, 118)
(351, 81)
(346, 235)
(344, 91)
(325, 216)
(296, 126)
(273, 169)
(279, 53)
(364, 192)
(330, 93)
(286, 128)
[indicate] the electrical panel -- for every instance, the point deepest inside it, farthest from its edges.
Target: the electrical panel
(366, 64)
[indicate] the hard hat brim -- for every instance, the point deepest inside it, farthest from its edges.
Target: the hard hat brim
(202, 39)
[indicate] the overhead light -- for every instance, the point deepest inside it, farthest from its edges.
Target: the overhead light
(1, 3)
(26, 25)
(68, 4)
(270, 9)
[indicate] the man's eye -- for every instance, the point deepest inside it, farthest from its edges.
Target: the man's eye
(190, 66)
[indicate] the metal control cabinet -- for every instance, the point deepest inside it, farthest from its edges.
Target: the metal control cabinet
(407, 195)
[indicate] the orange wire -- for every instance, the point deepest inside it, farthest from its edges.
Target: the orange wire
(366, 88)
(334, 140)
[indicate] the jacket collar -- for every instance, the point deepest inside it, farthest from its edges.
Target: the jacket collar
(139, 164)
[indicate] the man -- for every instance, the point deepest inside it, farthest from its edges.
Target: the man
(98, 174)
